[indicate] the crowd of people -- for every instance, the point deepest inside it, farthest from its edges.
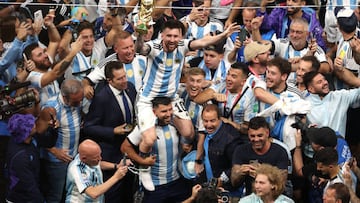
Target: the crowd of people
(179, 101)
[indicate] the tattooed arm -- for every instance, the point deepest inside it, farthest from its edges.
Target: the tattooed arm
(61, 67)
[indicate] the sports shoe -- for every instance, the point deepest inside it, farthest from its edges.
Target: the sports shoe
(145, 178)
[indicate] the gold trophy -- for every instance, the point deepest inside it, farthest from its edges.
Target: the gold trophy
(144, 16)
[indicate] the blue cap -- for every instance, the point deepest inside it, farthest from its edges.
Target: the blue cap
(188, 165)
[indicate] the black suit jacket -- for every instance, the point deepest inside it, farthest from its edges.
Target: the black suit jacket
(104, 115)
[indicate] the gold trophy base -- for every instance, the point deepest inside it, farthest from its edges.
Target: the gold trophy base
(141, 28)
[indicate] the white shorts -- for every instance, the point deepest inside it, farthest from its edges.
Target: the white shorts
(146, 117)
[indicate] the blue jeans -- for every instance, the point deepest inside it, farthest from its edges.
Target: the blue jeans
(55, 173)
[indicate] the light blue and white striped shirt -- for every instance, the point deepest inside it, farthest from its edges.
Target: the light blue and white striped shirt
(163, 72)
(79, 177)
(69, 130)
(220, 73)
(166, 149)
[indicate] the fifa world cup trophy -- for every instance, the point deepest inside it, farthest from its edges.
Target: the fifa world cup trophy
(146, 9)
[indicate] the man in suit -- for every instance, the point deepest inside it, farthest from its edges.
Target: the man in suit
(108, 122)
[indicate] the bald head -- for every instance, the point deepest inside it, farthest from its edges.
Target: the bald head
(90, 152)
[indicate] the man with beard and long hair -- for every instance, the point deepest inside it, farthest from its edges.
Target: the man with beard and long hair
(328, 108)
(162, 77)
(44, 74)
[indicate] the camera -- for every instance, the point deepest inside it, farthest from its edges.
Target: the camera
(10, 105)
(211, 187)
(300, 125)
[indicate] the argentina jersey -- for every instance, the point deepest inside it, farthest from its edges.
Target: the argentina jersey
(220, 73)
(166, 148)
(344, 51)
(45, 92)
(192, 108)
(134, 70)
(163, 72)
(69, 131)
(195, 31)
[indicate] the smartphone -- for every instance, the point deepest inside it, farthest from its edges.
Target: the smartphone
(24, 56)
(242, 35)
(38, 16)
(351, 162)
(254, 162)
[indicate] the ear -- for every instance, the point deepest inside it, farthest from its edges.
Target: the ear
(284, 77)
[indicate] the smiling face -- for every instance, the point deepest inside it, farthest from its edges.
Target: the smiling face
(171, 39)
(163, 113)
(194, 85)
(298, 35)
(88, 38)
(40, 58)
(211, 121)
(274, 78)
(125, 49)
(304, 67)
(319, 85)
(259, 138)
(235, 80)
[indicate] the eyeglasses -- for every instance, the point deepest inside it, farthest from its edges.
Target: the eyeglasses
(299, 32)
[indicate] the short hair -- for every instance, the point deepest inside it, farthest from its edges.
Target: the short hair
(342, 192)
(160, 101)
(198, 3)
(28, 49)
(195, 71)
(121, 36)
(174, 24)
(327, 156)
(301, 21)
(7, 26)
(275, 177)
(315, 64)
(283, 65)
(70, 86)
(110, 67)
(85, 25)
(207, 195)
(308, 77)
(211, 107)
(258, 122)
(241, 66)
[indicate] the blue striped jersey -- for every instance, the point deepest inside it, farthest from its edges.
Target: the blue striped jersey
(243, 110)
(69, 130)
(46, 92)
(192, 108)
(166, 149)
(134, 70)
(79, 177)
(163, 72)
(220, 73)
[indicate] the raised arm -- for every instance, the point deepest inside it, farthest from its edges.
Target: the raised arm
(54, 36)
(208, 40)
(60, 68)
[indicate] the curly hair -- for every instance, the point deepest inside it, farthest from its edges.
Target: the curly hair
(274, 176)
(20, 126)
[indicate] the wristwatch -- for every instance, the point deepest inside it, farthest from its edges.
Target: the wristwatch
(199, 161)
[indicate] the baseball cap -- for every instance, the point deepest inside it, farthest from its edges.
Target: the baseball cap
(20, 126)
(253, 49)
(347, 20)
(324, 136)
(188, 165)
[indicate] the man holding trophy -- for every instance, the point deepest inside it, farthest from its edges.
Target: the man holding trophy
(162, 78)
